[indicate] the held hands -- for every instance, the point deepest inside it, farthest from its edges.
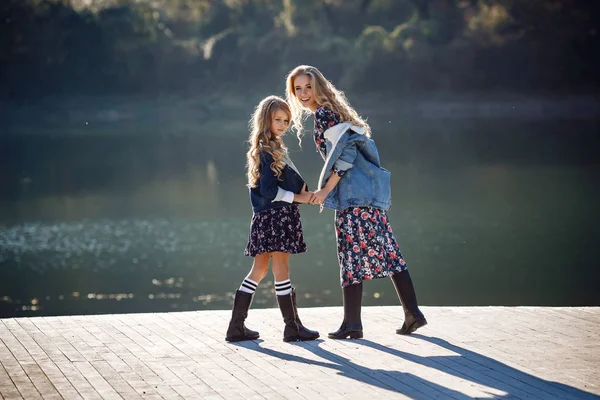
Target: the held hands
(317, 197)
(304, 196)
(320, 195)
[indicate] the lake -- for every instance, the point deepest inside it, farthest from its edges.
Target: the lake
(486, 211)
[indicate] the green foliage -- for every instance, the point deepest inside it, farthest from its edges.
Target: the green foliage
(138, 46)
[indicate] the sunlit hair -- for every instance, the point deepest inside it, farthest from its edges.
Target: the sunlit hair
(325, 94)
(262, 139)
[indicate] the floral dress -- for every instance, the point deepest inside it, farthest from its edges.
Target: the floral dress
(277, 229)
(367, 248)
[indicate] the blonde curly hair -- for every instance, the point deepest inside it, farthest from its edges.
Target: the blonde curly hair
(325, 94)
(262, 139)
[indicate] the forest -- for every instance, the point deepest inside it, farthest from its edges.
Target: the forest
(143, 47)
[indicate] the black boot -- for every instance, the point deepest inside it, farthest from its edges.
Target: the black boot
(352, 325)
(237, 331)
(413, 317)
(294, 330)
(304, 330)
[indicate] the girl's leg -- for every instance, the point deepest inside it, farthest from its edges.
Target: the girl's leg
(260, 268)
(352, 324)
(237, 330)
(413, 317)
(286, 298)
(281, 273)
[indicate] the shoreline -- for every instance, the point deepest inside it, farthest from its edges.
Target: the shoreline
(179, 115)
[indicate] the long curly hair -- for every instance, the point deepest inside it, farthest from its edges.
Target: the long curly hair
(262, 139)
(325, 94)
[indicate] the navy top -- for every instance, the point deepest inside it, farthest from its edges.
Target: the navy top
(264, 193)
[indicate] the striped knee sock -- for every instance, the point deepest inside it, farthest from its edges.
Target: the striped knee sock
(284, 287)
(248, 286)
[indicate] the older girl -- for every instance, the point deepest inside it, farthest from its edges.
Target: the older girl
(354, 184)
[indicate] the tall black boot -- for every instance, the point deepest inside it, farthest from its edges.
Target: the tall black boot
(352, 324)
(413, 317)
(294, 330)
(237, 331)
(304, 331)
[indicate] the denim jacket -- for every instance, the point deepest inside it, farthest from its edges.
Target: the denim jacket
(269, 191)
(365, 182)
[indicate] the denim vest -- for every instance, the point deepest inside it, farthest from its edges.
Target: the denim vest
(269, 185)
(365, 182)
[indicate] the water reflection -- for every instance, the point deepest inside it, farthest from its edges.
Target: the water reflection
(492, 218)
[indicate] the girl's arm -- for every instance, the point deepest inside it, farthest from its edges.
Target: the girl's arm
(289, 197)
(319, 196)
(341, 165)
(346, 159)
(304, 196)
(269, 184)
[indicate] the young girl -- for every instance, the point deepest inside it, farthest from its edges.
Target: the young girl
(276, 188)
(354, 184)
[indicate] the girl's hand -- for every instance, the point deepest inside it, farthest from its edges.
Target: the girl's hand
(319, 196)
(304, 196)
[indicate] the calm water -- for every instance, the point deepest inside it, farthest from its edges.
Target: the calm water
(486, 213)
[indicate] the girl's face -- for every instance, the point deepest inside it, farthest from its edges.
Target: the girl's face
(279, 122)
(304, 93)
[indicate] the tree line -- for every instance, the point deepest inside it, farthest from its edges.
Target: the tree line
(193, 46)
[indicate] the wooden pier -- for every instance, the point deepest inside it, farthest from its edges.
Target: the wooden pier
(464, 352)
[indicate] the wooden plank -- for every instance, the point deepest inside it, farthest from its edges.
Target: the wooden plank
(464, 352)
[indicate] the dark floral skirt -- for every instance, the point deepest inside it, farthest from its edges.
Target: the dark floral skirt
(367, 248)
(278, 229)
